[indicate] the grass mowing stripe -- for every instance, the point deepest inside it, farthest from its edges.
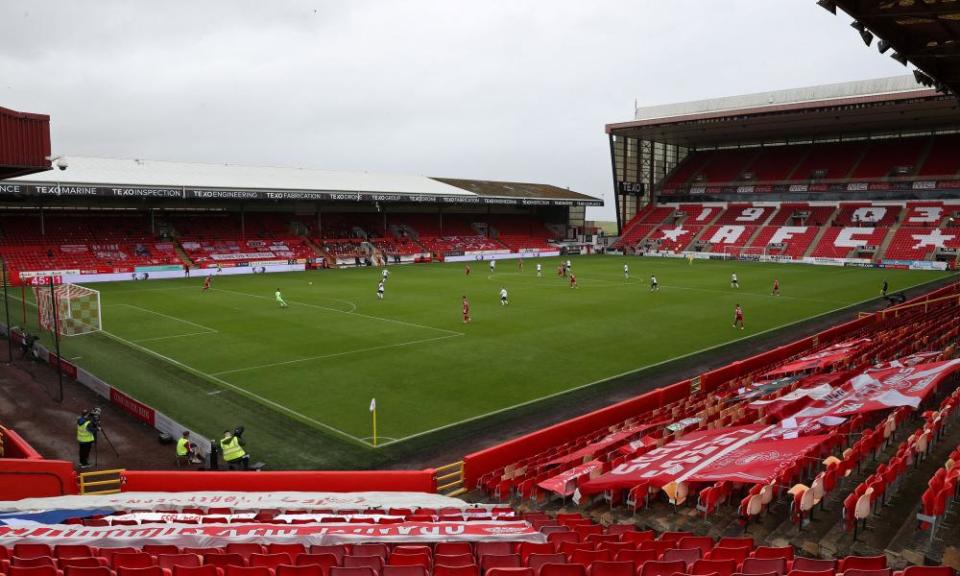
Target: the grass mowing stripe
(335, 355)
(223, 382)
(159, 338)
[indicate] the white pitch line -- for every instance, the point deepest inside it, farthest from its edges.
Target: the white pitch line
(161, 314)
(159, 338)
(234, 387)
(391, 320)
(334, 355)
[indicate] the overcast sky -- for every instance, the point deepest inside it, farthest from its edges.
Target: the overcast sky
(492, 89)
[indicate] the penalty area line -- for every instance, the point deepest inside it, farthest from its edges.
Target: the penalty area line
(234, 387)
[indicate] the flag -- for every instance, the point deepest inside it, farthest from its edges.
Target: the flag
(373, 404)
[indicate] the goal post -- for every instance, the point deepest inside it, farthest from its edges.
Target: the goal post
(72, 308)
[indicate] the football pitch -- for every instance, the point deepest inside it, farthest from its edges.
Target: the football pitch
(300, 379)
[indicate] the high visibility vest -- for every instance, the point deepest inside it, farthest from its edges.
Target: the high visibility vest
(182, 447)
(232, 450)
(84, 434)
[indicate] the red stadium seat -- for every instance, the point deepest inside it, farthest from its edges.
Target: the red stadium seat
(736, 554)
(338, 550)
(244, 550)
(291, 549)
(495, 548)
(441, 570)
(686, 555)
(32, 571)
(535, 561)
(224, 560)
(61, 551)
(31, 550)
(862, 563)
(454, 559)
(88, 571)
(489, 561)
(422, 560)
(452, 548)
(764, 566)
(562, 570)
(168, 561)
(132, 560)
(353, 571)
(735, 542)
(718, 567)
(269, 560)
(611, 568)
(33, 561)
(231, 570)
(157, 549)
(638, 557)
(144, 571)
(205, 570)
(374, 563)
(528, 548)
(323, 560)
(586, 557)
(660, 568)
(391, 570)
(304, 570)
(704, 543)
(814, 565)
(868, 572)
(82, 562)
(516, 571)
(785, 552)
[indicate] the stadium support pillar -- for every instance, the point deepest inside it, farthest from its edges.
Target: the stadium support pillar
(56, 337)
(6, 311)
(617, 205)
(243, 223)
(651, 175)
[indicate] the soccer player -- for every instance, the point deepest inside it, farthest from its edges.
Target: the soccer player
(884, 288)
(573, 280)
(690, 259)
(279, 299)
(560, 270)
(734, 283)
(466, 310)
(385, 274)
(520, 264)
(380, 290)
(738, 317)
(466, 269)
(493, 266)
(206, 283)
(654, 285)
(539, 270)
(776, 287)
(504, 300)
(626, 272)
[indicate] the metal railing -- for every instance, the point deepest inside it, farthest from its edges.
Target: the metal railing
(102, 481)
(449, 479)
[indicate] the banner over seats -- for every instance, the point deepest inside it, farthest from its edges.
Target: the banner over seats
(207, 535)
(821, 360)
(736, 454)
(883, 389)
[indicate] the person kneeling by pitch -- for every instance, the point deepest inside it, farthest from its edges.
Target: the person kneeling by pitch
(231, 446)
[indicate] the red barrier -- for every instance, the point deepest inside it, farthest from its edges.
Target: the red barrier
(319, 481)
(14, 446)
(479, 463)
(36, 478)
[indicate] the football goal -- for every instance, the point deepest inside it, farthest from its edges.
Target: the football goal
(69, 308)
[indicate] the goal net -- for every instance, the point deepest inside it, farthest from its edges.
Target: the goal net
(72, 309)
(744, 252)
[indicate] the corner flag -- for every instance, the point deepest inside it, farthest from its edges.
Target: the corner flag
(373, 411)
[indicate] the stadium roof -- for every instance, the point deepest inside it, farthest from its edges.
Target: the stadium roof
(24, 143)
(86, 176)
(927, 33)
(851, 109)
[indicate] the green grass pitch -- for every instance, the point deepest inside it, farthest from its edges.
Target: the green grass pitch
(307, 373)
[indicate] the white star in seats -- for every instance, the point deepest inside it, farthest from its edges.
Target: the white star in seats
(935, 238)
(674, 234)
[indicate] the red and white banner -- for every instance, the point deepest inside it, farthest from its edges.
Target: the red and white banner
(565, 483)
(592, 450)
(882, 389)
(912, 360)
(253, 500)
(736, 454)
(221, 535)
(810, 388)
(821, 360)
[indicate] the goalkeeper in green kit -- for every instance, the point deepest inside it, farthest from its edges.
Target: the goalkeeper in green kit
(279, 299)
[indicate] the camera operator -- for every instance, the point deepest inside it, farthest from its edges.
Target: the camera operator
(88, 424)
(232, 448)
(26, 344)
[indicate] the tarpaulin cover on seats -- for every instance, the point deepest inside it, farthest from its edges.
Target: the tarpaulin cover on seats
(250, 500)
(882, 389)
(592, 449)
(562, 484)
(220, 535)
(735, 454)
(821, 360)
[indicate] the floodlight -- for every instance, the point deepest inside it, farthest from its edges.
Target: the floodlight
(828, 5)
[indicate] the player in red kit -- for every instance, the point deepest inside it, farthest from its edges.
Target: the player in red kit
(776, 287)
(573, 280)
(206, 283)
(738, 317)
(466, 310)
